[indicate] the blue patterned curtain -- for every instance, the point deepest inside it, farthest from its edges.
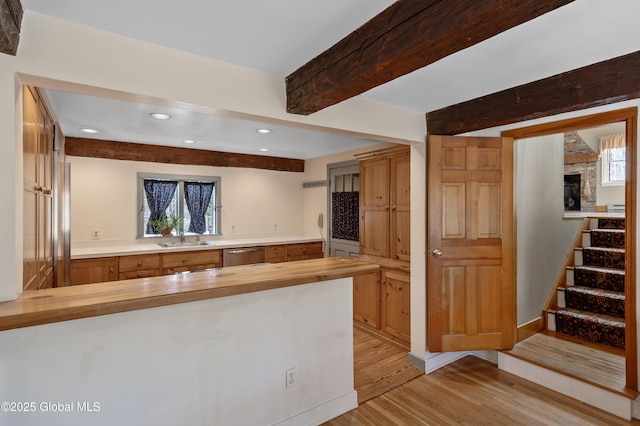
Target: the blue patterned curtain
(197, 196)
(159, 195)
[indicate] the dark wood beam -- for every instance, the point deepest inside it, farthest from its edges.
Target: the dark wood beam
(10, 22)
(603, 83)
(408, 35)
(81, 147)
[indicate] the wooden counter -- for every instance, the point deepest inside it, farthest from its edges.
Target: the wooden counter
(68, 303)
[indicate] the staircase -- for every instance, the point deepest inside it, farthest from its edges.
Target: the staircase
(591, 306)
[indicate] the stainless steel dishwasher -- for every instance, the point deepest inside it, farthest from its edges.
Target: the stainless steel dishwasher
(242, 256)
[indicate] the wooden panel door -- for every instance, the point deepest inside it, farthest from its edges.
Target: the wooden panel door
(471, 285)
(374, 207)
(400, 198)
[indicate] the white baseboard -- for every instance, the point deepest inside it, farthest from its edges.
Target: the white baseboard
(608, 401)
(491, 356)
(323, 412)
(434, 361)
(416, 361)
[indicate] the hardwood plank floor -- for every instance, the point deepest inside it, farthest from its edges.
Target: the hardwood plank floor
(601, 367)
(472, 391)
(379, 366)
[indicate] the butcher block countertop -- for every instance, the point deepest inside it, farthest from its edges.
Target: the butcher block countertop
(83, 301)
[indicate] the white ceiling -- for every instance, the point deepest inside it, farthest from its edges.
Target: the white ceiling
(279, 36)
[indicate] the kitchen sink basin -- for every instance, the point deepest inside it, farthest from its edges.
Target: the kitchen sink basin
(180, 244)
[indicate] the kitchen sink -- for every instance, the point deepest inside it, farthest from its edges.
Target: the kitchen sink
(180, 244)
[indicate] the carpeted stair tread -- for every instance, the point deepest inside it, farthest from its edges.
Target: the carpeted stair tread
(587, 299)
(605, 257)
(599, 278)
(596, 328)
(609, 238)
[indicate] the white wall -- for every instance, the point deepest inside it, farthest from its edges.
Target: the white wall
(213, 362)
(543, 236)
(104, 197)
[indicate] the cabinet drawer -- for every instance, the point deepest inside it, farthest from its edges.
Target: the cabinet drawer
(187, 268)
(305, 249)
(139, 274)
(88, 271)
(139, 262)
(275, 254)
(191, 258)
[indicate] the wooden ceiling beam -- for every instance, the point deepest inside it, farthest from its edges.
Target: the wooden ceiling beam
(603, 83)
(82, 147)
(10, 23)
(408, 35)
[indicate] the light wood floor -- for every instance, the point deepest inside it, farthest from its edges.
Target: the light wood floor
(379, 366)
(589, 363)
(472, 391)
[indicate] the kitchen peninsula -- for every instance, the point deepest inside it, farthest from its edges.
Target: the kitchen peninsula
(194, 345)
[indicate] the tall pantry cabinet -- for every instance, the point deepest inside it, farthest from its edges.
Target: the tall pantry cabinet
(382, 299)
(37, 193)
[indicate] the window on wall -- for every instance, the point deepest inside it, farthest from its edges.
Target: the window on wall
(180, 204)
(613, 166)
(612, 155)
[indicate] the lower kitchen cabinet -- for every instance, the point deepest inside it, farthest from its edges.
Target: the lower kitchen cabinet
(89, 271)
(190, 261)
(139, 266)
(304, 251)
(381, 301)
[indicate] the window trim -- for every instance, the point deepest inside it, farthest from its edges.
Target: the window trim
(180, 190)
(604, 170)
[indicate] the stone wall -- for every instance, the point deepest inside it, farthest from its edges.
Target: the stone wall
(574, 144)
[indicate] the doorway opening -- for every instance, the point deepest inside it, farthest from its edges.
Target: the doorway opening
(592, 195)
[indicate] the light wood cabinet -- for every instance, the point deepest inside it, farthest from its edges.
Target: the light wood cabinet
(275, 254)
(37, 192)
(395, 305)
(366, 299)
(304, 251)
(89, 271)
(139, 266)
(190, 261)
(385, 203)
(382, 301)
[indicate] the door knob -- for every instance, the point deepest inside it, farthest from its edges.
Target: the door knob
(437, 253)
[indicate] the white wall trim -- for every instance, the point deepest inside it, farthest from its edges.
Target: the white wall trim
(435, 361)
(324, 412)
(417, 361)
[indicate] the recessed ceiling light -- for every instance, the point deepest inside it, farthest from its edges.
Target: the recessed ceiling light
(87, 130)
(264, 131)
(189, 141)
(160, 115)
(263, 149)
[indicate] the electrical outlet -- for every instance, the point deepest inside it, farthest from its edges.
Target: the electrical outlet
(290, 375)
(233, 228)
(95, 235)
(275, 227)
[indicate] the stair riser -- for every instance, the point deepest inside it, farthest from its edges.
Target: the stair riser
(610, 239)
(589, 330)
(610, 223)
